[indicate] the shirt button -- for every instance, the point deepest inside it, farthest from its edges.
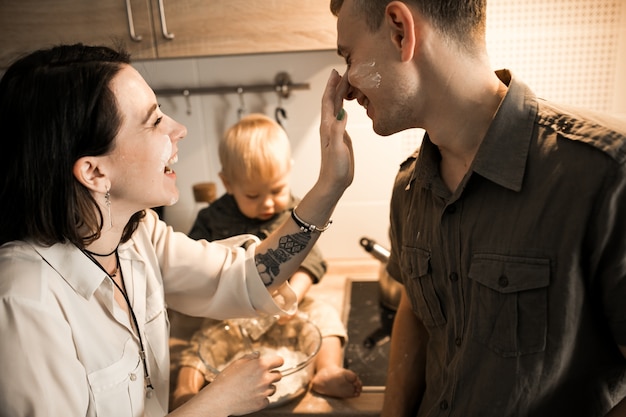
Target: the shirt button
(563, 125)
(451, 209)
(503, 281)
(443, 405)
(132, 377)
(454, 277)
(458, 341)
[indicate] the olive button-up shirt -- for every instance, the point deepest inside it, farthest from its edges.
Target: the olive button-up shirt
(519, 275)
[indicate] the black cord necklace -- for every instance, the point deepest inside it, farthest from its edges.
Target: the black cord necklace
(102, 255)
(118, 268)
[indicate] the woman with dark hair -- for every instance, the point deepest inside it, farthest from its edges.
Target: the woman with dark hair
(86, 268)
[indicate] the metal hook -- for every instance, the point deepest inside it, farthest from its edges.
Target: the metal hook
(186, 94)
(282, 82)
(280, 114)
(242, 106)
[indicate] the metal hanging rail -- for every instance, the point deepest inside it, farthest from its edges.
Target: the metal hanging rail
(282, 86)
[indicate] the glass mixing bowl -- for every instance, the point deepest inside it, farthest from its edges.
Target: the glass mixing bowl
(298, 342)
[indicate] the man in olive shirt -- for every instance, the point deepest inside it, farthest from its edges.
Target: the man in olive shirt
(507, 228)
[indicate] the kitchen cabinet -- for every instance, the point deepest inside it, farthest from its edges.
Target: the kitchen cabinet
(168, 28)
(223, 27)
(26, 25)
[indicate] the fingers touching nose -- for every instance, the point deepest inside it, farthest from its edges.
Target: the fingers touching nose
(348, 91)
(341, 91)
(351, 94)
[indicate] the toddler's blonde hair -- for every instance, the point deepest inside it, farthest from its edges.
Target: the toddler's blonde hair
(254, 147)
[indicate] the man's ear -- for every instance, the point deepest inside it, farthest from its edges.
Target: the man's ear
(225, 182)
(87, 171)
(400, 20)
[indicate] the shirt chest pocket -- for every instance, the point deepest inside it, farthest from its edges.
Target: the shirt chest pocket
(508, 307)
(420, 287)
(118, 389)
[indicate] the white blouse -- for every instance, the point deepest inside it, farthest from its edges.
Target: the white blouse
(67, 348)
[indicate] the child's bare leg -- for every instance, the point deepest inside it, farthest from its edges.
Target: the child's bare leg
(331, 378)
(190, 382)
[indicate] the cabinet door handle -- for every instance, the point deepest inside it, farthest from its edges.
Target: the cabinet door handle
(131, 25)
(166, 34)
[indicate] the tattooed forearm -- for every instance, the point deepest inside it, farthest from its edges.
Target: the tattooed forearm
(269, 263)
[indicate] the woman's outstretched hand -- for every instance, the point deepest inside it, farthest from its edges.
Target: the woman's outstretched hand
(337, 166)
(292, 240)
(241, 388)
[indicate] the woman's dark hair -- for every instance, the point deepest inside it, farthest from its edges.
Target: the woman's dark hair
(56, 106)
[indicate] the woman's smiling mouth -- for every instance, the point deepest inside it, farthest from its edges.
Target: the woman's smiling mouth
(171, 161)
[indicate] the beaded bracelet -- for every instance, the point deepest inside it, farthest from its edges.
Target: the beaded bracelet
(308, 227)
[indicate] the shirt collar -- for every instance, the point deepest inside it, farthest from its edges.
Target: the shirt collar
(502, 155)
(74, 266)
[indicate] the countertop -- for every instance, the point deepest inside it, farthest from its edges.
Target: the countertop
(332, 289)
(312, 404)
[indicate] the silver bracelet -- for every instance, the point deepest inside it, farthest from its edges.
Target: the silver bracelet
(308, 227)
